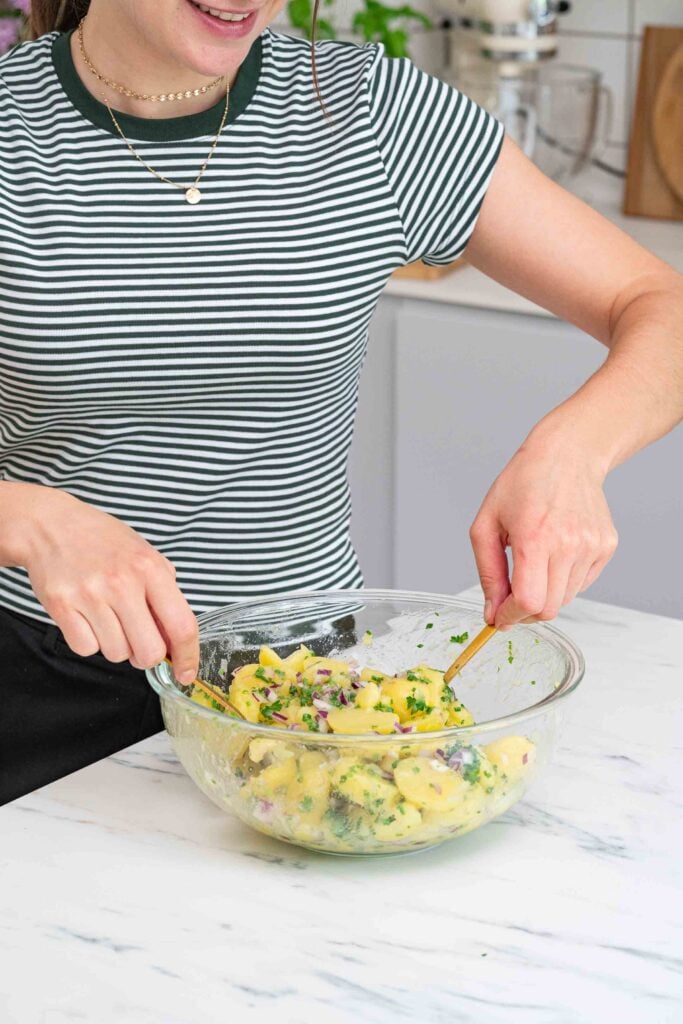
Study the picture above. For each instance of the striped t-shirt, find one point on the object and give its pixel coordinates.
(193, 369)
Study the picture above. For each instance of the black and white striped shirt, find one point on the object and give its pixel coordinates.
(193, 370)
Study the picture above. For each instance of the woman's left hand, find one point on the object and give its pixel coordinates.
(549, 507)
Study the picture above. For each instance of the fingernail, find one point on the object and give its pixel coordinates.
(187, 676)
(488, 608)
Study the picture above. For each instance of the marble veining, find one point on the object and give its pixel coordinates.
(128, 898)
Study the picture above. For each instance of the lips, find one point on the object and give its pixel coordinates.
(225, 28)
(220, 12)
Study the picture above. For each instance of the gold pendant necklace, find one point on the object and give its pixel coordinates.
(192, 193)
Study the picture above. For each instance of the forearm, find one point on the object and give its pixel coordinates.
(636, 396)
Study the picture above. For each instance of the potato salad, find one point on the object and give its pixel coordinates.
(351, 795)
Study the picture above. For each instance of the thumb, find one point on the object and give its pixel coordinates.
(492, 564)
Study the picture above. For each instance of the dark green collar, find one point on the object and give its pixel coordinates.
(165, 129)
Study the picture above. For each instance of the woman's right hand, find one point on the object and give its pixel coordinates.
(105, 586)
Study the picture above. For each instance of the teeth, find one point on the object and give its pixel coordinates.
(223, 15)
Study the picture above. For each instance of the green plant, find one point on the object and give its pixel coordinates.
(301, 17)
(373, 22)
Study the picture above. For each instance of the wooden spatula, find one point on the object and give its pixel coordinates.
(471, 649)
(216, 695)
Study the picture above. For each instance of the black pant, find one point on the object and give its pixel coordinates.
(59, 711)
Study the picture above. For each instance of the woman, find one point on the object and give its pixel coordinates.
(192, 249)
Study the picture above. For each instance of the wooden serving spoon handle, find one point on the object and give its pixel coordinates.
(471, 649)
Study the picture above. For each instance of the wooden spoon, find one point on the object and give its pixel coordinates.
(216, 695)
(471, 649)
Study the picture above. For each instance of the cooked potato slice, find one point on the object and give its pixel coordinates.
(259, 747)
(276, 776)
(269, 658)
(364, 784)
(430, 783)
(373, 675)
(308, 793)
(410, 696)
(513, 756)
(297, 658)
(357, 720)
(368, 697)
(243, 699)
(401, 820)
(458, 714)
(436, 719)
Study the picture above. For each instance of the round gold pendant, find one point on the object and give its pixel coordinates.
(193, 195)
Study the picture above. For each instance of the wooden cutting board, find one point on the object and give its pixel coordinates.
(654, 180)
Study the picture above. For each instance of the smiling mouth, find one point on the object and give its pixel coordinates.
(221, 15)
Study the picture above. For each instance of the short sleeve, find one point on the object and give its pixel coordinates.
(439, 150)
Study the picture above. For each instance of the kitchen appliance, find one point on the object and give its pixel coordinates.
(501, 55)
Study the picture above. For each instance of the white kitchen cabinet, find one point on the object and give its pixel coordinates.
(448, 393)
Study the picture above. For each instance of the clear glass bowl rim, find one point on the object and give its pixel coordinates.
(159, 676)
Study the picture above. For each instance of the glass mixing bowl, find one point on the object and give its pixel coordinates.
(370, 793)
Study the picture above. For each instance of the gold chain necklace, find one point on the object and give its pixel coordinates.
(192, 193)
(162, 97)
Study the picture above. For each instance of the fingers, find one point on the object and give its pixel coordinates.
(541, 585)
(147, 645)
(529, 585)
(106, 626)
(78, 633)
(492, 564)
(178, 625)
(559, 571)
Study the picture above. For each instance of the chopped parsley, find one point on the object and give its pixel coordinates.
(420, 645)
(306, 804)
(460, 638)
(379, 706)
(430, 625)
(303, 692)
(418, 704)
(260, 673)
(411, 677)
(268, 709)
(377, 679)
(511, 656)
(311, 722)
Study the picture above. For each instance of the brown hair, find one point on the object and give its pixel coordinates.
(49, 15)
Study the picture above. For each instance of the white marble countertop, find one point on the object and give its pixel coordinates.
(467, 286)
(129, 898)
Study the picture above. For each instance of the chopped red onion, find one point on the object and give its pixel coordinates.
(525, 758)
(270, 692)
(280, 718)
(322, 705)
(322, 714)
(343, 698)
(322, 724)
(324, 671)
(257, 697)
(437, 788)
(386, 775)
(403, 728)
